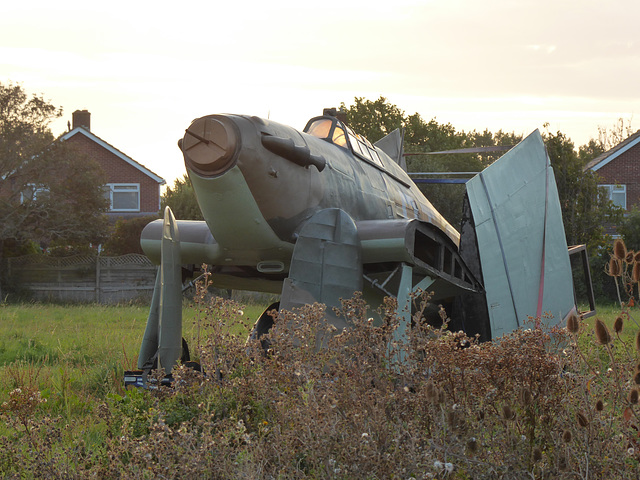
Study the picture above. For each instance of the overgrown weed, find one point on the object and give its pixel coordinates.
(541, 403)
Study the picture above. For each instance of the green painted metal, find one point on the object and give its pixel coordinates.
(163, 333)
(149, 345)
(170, 322)
(518, 223)
(326, 264)
(243, 235)
(405, 294)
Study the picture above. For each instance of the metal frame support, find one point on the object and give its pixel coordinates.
(581, 252)
(406, 291)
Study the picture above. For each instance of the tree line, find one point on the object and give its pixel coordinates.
(52, 196)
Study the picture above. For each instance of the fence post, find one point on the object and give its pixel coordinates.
(97, 278)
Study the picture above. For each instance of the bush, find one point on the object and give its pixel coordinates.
(126, 236)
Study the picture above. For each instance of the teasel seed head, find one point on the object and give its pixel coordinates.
(618, 324)
(525, 396)
(635, 273)
(619, 249)
(602, 332)
(636, 378)
(566, 436)
(472, 445)
(615, 269)
(562, 462)
(507, 413)
(629, 257)
(583, 421)
(537, 454)
(599, 405)
(633, 396)
(573, 322)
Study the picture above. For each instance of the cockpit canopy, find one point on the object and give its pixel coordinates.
(334, 131)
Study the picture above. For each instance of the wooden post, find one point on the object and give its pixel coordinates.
(97, 278)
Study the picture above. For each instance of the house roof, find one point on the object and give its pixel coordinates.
(601, 160)
(114, 150)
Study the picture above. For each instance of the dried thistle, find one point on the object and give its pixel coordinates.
(583, 421)
(507, 413)
(615, 269)
(573, 323)
(452, 418)
(619, 249)
(602, 332)
(567, 436)
(536, 456)
(635, 273)
(562, 462)
(472, 445)
(633, 396)
(525, 396)
(629, 257)
(618, 324)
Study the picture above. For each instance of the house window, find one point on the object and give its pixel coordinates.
(123, 197)
(617, 194)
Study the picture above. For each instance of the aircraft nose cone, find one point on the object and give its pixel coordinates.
(209, 145)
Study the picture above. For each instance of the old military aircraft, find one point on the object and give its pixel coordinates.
(320, 214)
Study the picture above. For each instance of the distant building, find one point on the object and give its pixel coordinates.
(133, 190)
(619, 170)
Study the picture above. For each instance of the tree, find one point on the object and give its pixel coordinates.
(629, 228)
(610, 137)
(586, 208)
(182, 200)
(49, 193)
(126, 236)
(375, 119)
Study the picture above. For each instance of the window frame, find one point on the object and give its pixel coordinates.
(621, 188)
(114, 189)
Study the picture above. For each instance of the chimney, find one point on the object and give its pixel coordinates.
(82, 118)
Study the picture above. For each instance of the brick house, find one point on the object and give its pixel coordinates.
(619, 170)
(133, 189)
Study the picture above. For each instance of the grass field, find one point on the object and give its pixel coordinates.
(78, 351)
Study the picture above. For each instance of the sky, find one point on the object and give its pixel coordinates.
(145, 69)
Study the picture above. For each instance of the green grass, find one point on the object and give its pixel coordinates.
(74, 353)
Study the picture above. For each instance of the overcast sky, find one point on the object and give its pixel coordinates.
(146, 69)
